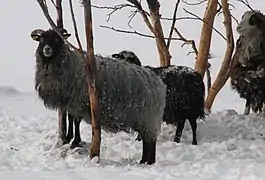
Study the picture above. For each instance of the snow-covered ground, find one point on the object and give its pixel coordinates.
(230, 145)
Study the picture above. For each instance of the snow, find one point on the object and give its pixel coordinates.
(230, 145)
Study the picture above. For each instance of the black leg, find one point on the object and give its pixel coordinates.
(179, 130)
(77, 139)
(152, 152)
(193, 125)
(145, 153)
(70, 133)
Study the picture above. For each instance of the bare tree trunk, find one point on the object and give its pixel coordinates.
(225, 69)
(156, 23)
(61, 114)
(206, 36)
(62, 124)
(91, 70)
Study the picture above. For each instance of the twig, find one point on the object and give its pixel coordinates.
(180, 18)
(143, 13)
(132, 32)
(173, 23)
(131, 17)
(114, 9)
(218, 32)
(52, 24)
(235, 19)
(75, 26)
(246, 3)
(220, 7)
(193, 4)
(186, 41)
(53, 3)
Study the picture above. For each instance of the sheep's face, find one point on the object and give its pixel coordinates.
(50, 43)
(128, 56)
(250, 24)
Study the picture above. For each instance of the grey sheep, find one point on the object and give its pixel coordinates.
(184, 97)
(247, 75)
(131, 97)
(251, 29)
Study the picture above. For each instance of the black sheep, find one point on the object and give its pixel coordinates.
(185, 94)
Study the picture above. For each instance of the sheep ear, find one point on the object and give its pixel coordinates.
(35, 35)
(254, 20)
(115, 55)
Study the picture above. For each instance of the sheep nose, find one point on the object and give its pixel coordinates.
(47, 51)
(47, 48)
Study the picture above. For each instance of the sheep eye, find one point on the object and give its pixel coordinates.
(253, 20)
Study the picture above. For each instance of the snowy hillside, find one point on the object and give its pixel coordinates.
(231, 146)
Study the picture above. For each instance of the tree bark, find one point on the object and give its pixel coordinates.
(92, 71)
(206, 36)
(159, 34)
(227, 63)
(62, 125)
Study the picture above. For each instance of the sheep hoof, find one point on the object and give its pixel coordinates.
(143, 161)
(67, 140)
(194, 143)
(177, 140)
(150, 162)
(75, 144)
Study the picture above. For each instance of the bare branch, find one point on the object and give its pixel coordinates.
(231, 5)
(59, 14)
(218, 32)
(53, 3)
(113, 8)
(75, 26)
(52, 24)
(180, 18)
(235, 19)
(186, 41)
(193, 4)
(142, 12)
(133, 32)
(173, 23)
(246, 3)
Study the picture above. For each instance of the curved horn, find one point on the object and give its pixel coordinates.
(37, 32)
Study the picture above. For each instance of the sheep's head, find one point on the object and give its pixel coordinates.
(50, 43)
(128, 56)
(251, 24)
